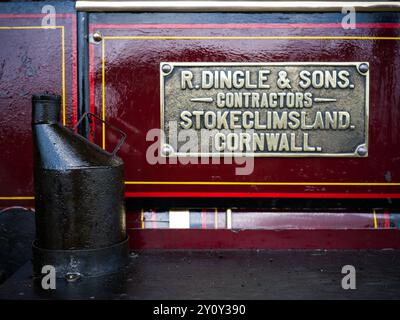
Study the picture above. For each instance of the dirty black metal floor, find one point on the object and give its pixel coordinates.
(17, 231)
(260, 274)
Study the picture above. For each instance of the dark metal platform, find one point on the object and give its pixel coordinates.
(262, 274)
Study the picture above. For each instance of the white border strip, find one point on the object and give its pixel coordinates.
(229, 218)
(179, 219)
(234, 6)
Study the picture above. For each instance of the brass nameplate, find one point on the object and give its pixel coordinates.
(265, 109)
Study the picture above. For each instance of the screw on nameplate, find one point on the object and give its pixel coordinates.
(97, 36)
(363, 67)
(166, 68)
(362, 150)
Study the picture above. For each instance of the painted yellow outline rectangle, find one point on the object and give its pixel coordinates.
(235, 38)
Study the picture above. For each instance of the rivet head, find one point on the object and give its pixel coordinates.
(167, 149)
(166, 68)
(363, 67)
(362, 151)
(97, 36)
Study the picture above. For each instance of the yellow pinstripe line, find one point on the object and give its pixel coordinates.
(17, 198)
(30, 27)
(141, 219)
(62, 80)
(375, 220)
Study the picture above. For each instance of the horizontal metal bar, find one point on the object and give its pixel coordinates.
(234, 6)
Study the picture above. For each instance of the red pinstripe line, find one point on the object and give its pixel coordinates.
(74, 79)
(387, 219)
(91, 90)
(262, 195)
(243, 26)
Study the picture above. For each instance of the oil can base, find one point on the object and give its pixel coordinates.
(72, 264)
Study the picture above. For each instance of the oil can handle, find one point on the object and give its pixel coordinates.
(120, 143)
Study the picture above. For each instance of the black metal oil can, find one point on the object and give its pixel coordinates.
(79, 198)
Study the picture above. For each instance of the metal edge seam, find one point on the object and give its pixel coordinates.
(233, 6)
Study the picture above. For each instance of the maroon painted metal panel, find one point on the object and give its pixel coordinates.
(124, 75)
(33, 58)
(264, 239)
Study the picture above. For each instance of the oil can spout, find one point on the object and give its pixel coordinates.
(45, 108)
